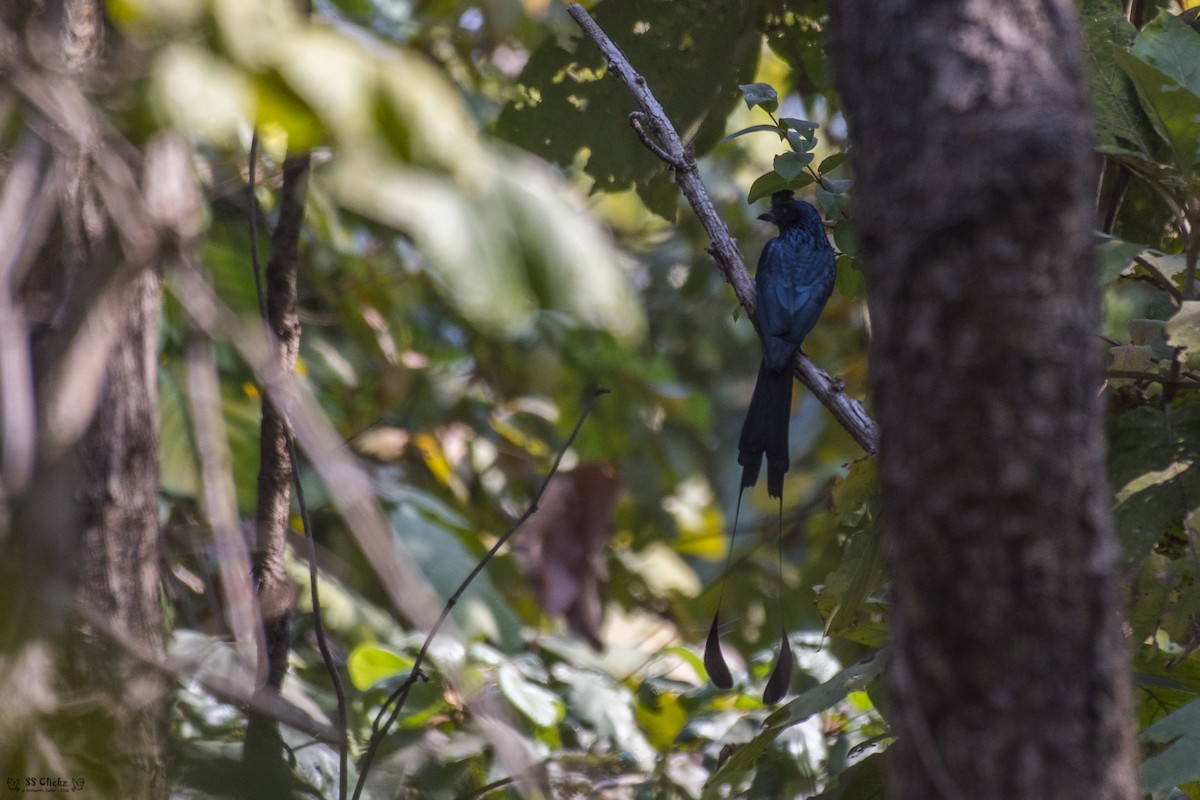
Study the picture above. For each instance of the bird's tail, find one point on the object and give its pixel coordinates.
(765, 430)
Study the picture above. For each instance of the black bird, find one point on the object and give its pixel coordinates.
(793, 282)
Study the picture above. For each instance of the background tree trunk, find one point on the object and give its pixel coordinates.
(79, 512)
(975, 173)
(119, 562)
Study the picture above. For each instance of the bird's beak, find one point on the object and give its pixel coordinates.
(768, 216)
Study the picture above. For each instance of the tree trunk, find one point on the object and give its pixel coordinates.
(119, 562)
(975, 172)
(79, 504)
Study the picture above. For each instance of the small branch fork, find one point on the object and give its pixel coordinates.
(395, 703)
(656, 132)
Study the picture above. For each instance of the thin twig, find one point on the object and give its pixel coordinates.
(252, 198)
(290, 439)
(1181, 382)
(663, 140)
(398, 697)
(349, 487)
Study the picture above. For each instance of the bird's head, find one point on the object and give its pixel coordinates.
(788, 212)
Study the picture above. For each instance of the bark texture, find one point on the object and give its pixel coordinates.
(276, 592)
(79, 503)
(268, 773)
(119, 559)
(975, 179)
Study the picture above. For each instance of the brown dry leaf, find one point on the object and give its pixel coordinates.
(562, 548)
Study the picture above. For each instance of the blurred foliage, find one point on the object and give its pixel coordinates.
(1145, 97)
(485, 241)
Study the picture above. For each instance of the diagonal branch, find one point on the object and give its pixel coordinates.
(656, 132)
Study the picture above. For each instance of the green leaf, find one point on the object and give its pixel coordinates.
(863, 780)
(831, 163)
(765, 186)
(853, 678)
(798, 143)
(800, 181)
(690, 658)
(1115, 257)
(1174, 110)
(760, 94)
(856, 489)
(754, 129)
(368, 664)
(564, 101)
(836, 185)
(1121, 126)
(1167, 265)
(203, 95)
(848, 238)
(790, 165)
(242, 415)
(660, 715)
(848, 279)
(1130, 358)
(1146, 331)
(441, 557)
(800, 126)
(1183, 330)
(179, 473)
(518, 243)
(1166, 682)
(607, 709)
(280, 105)
(845, 598)
(1153, 473)
(833, 203)
(1173, 47)
(540, 706)
(1179, 761)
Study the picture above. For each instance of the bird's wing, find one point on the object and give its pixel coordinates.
(791, 297)
(772, 280)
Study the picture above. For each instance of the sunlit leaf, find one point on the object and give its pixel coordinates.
(540, 706)
(1171, 106)
(201, 94)
(1120, 122)
(368, 664)
(662, 717)
(1183, 330)
(252, 31)
(1172, 46)
(1152, 470)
